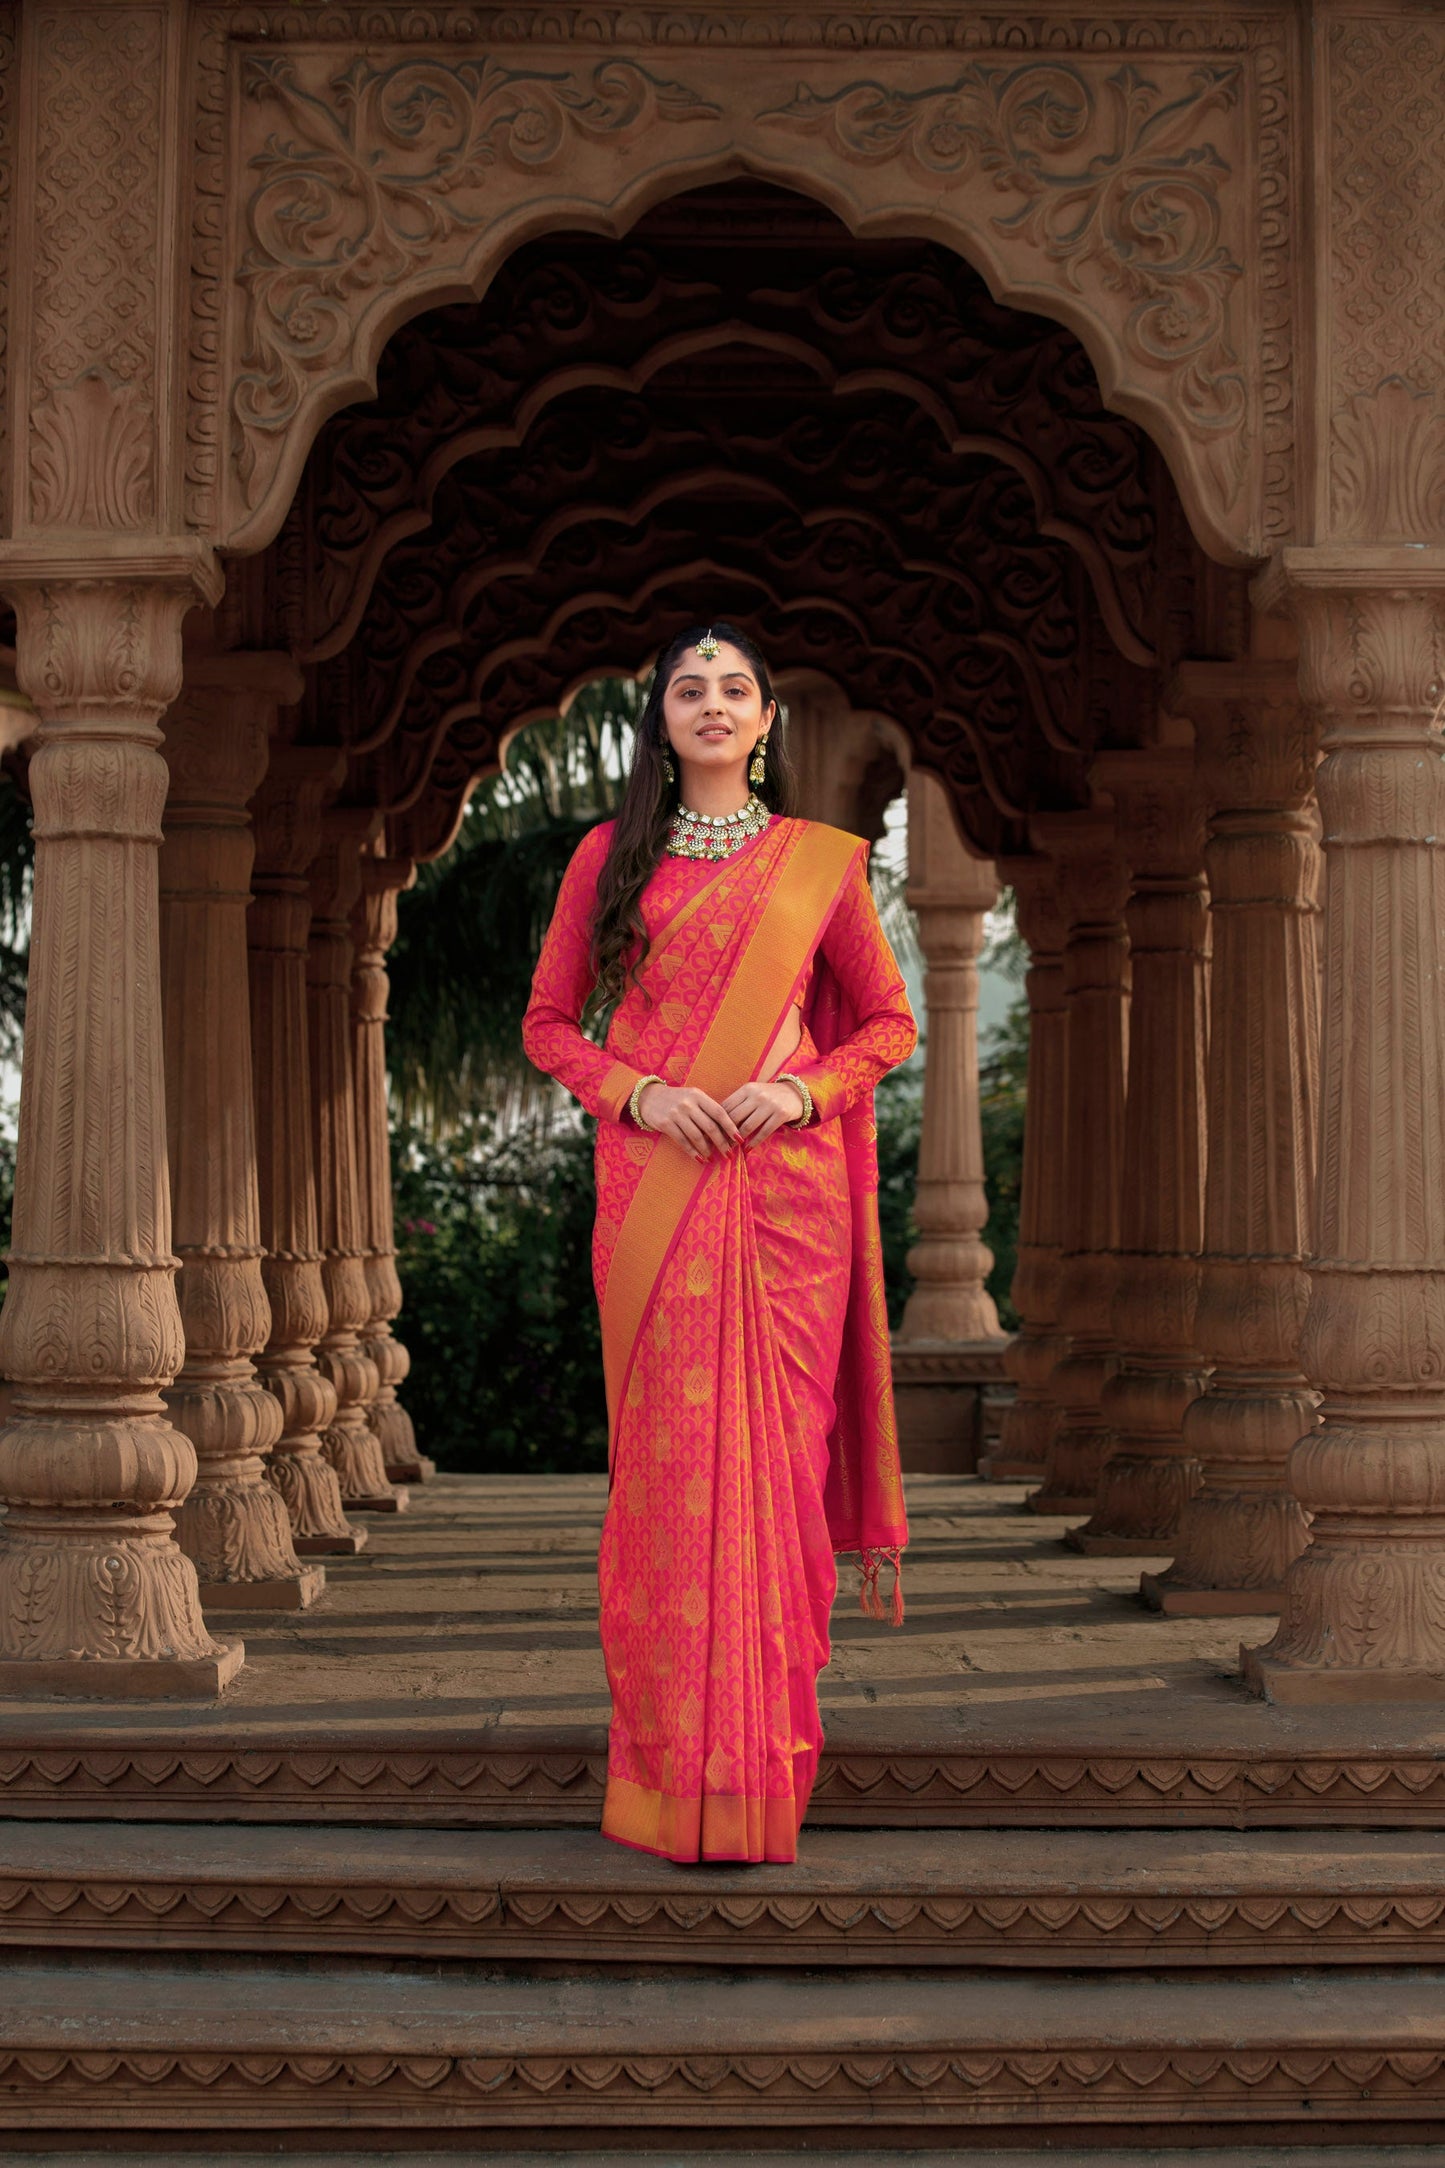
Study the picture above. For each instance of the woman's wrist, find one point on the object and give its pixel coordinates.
(634, 1104)
(787, 1076)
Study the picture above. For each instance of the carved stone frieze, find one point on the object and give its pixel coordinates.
(1278, 2088)
(1127, 220)
(428, 1918)
(503, 1781)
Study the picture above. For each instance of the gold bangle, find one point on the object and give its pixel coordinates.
(786, 1076)
(633, 1106)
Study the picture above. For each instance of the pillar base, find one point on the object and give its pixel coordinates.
(419, 1469)
(1117, 1546)
(1297, 1684)
(1161, 1594)
(340, 1545)
(1057, 1502)
(287, 1592)
(998, 1468)
(395, 1500)
(192, 1678)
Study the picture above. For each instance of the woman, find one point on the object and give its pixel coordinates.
(736, 1252)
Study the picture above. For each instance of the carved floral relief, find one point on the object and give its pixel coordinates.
(97, 190)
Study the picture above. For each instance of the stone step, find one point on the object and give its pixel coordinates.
(999, 1767)
(1284, 2156)
(1033, 1898)
(861, 2059)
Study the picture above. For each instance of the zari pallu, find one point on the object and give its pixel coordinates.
(744, 1331)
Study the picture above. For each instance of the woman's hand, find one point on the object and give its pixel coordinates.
(761, 1109)
(690, 1118)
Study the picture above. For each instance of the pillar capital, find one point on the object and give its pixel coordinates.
(99, 631)
(1158, 812)
(1255, 738)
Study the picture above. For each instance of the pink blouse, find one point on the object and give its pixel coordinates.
(853, 946)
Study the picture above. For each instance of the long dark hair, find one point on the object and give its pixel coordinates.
(619, 938)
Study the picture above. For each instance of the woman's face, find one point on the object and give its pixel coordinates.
(713, 709)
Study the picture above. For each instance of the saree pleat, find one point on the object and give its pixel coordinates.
(717, 1571)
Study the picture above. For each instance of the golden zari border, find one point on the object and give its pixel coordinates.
(717, 1826)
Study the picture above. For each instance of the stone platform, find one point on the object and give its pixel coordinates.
(1065, 1887)
(451, 1676)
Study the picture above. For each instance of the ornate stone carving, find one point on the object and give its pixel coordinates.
(373, 926)
(502, 1781)
(287, 821)
(952, 893)
(1094, 890)
(1148, 1475)
(397, 165)
(95, 1596)
(1387, 466)
(1386, 356)
(9, 76)
(1364, 1604)
(233, 1524)
(1119, 163)
(1035, 1349)
(1256, 752)
(96, 272)
(348, 1441)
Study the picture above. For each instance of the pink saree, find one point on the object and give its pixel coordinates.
(745, 1337)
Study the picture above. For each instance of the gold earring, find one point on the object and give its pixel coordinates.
(669, 773)
(757, 768)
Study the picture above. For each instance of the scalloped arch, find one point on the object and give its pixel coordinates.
(1128, 219)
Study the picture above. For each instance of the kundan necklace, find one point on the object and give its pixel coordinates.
(715, 835)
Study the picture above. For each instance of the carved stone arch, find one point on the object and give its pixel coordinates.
(432, 162)
(350, 563)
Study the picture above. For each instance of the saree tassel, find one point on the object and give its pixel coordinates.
(870, 1595)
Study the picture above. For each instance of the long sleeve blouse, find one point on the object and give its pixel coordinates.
(853, 946)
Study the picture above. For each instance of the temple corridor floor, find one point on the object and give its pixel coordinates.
(477, 1608)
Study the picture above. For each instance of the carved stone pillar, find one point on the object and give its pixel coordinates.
(233, 1524)
(948, 1348)
(1148, 1474)
(96, 1596)
(1364, 1602)
(952, 894)
(287, 821)
(1035, 1348)
(373, 928)
(1094, 888)
(1256, 757)
(349, 1442)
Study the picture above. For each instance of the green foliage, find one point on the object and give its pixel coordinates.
(899, 1105)
(470, 931)
(494, 1250)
